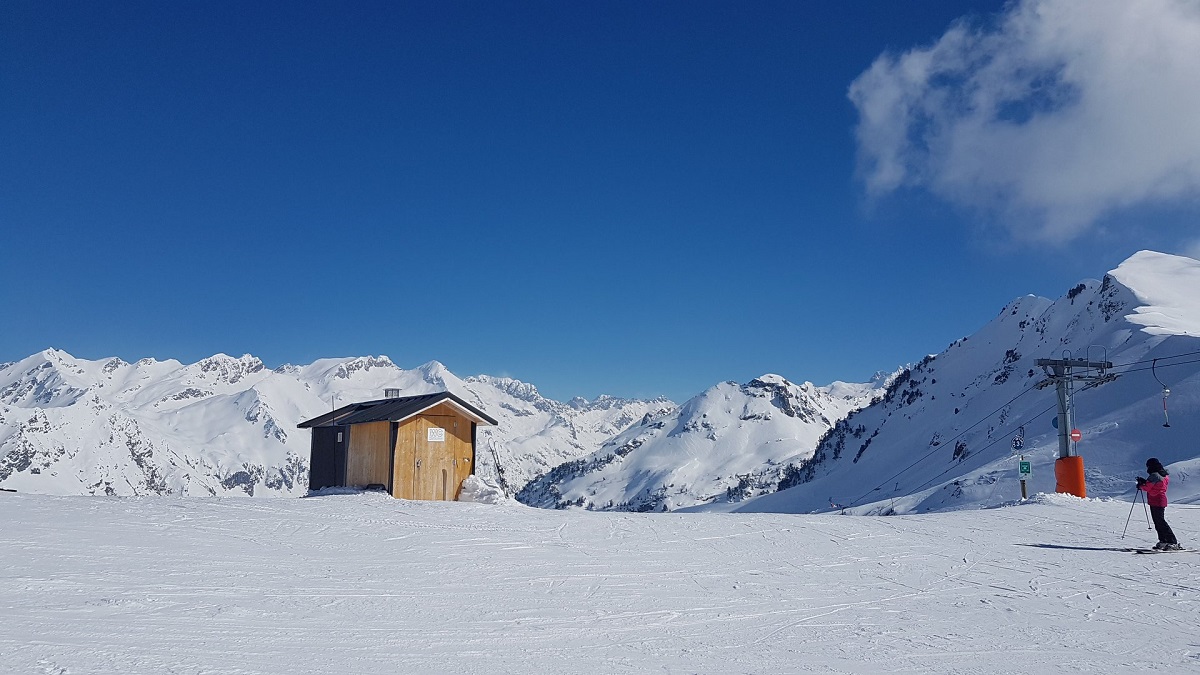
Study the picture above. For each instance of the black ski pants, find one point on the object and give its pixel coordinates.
(1160, 524)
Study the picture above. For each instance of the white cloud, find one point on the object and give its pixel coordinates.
(1056, 114)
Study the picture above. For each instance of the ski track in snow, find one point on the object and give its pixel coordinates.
(368, 584)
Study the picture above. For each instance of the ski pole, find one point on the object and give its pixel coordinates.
(1146, 509)
(1131, 505)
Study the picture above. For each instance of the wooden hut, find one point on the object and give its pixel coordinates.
(415, 447)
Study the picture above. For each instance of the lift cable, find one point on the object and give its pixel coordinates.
(1160, 358)
(953, 438)
(997, 440)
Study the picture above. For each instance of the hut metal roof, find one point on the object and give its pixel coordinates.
(394, 410)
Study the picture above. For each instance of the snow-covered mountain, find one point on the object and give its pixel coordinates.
(942, 435)
(936, 435)
(730, 442)
(227, 425)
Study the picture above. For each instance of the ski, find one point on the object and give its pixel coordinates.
(1155, 550)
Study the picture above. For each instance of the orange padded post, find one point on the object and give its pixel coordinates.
(1068, 476)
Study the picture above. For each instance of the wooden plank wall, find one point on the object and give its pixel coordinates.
(432, 470)
(368, 460)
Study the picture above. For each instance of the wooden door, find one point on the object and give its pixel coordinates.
(367, 454)
(424, 465)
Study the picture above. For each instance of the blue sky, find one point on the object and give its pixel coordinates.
(632, 198)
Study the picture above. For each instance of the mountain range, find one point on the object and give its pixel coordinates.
(226, 425)
(941, 433)
(937, 434)
(727, 444)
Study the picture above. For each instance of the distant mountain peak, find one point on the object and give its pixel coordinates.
(1165, 287)
(348, 368)
(770, 380)
(516, 388)
(433, 370)
(225, 368)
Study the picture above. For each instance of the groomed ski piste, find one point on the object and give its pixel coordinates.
(363, 583)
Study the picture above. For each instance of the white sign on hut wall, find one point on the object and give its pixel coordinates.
(436, 435)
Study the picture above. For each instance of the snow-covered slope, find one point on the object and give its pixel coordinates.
(941, 437)
(728, 443)
(350, 583)
(227, 425)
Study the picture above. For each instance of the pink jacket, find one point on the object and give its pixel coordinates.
(1156, 490)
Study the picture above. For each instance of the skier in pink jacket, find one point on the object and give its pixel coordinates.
(1155, 487)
